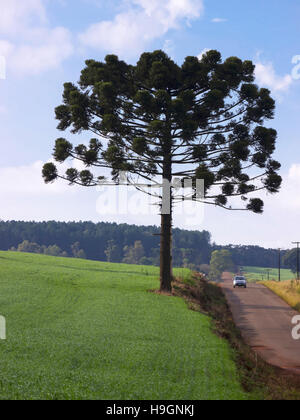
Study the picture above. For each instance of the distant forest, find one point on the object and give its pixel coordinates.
(123, 243)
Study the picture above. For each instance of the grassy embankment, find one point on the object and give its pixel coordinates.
(256, 376)
(289, 291)
(80, 329)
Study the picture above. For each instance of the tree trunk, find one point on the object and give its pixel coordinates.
(166, 228)
(165, 253)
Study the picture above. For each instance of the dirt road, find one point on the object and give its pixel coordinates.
(265, 322)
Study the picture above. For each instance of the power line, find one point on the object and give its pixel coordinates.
(268, 270)
(279, 264)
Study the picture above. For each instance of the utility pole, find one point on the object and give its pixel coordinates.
(268, 270)
(298, 259)
(279, 265)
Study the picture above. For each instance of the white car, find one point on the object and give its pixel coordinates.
(239, 281)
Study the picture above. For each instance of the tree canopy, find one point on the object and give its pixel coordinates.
(220, 261)
(290, 259)
(188, 247)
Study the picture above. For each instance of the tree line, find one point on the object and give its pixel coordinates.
(124, 243)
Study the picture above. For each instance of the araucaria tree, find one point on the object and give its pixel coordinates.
(157, 120)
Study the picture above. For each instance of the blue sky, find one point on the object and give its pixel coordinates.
(45, 43)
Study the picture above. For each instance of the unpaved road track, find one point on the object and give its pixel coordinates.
(265, 322)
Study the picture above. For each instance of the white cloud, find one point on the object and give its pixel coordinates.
(289, 196)
(28, 44)
(294, 172)
(266, 76)
(26, 181)
(25, 196)
(18, 14)
(169, 11)
(6, 47)
(218, 20)
(130, 31)
(203, 52)
(275, 228)
(169, 47)
(55, 46)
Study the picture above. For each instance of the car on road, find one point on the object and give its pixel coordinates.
(239, 281)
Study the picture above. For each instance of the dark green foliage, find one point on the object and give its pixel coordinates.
(220, 261)
(94, 239)
(251, 255)
(30, 247)
(202, 120)
(221, 200)
(256, 205)
(290, 260)
(62, 150)
(99, 240)
(228, 188)
(34, 248)
(202, 172)
(208, 114)
(113, 252)
(49, 172)
(55, 251)
(77, 252)
(71, 175)
(273, 182)
(134, 254)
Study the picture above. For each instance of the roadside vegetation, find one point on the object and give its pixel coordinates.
(220, 261)
(259, 380)
(289, 291)
(80, 329)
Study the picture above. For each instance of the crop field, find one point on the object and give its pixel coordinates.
(287, 290)
(254, 274)
(80, 329)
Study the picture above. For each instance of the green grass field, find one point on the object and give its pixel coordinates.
(80, 329)
(254, 274)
